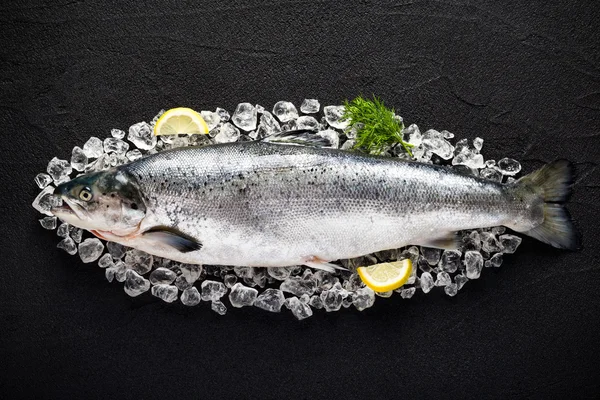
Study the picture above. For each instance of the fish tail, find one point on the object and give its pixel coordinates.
(553, 181)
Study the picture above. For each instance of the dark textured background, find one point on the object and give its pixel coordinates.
(525, 77)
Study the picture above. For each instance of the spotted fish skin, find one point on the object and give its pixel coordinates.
(264, 204)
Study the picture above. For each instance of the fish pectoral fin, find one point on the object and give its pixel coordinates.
(449, 241)
(174, 238)
(317, 263)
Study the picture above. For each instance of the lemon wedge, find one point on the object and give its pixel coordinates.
(180, 121)
(386, 276)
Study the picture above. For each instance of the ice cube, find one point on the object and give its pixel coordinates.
(471, 242)
(121, 271)
(431, 255)
(245, 116)
(434, 141)
(408, 292)
(316, 302)
(489, 242)
(212, 119)
(93, 148)
(162, 276)
(304, 298)
(182, 283)
(59, 170)
(334, 115)
(118, 146)
(139, 261)
(117, 133)
(63, 230)
(348, 144)
(223, 114)
(412, 135)
(491, 174)
(133, 155)
(443, 279)
(109, 273)
(332, 298)
(241, 295)
(460, 281)
(385, 295)
(450, 260)
(510, 243)
(43, 180)
(167, 293)
(68, 245)
(268, 124)
(218, 307)
(494, 261)
(508, 166)
(48, 222)
(307, 122)
(363, 298)
(279, 273)
(229, 280)
(473, 264)
(424, 265)
(451, 289)
(78, 159)
(135, 284)
(325, 280)
(426, 281)
(332, 136)
(106, 261)
(299, 309)
(498, 230)
(260, 109)
(90, 250)
(212, 290)
(191, 272)
(447, 135)
(227, 134)
(270, 300)
(285, 111)
(116, 250)
(76, 234)
(478, 144)
(298, 286)
(310, 106)
(141, 136)
(190, 297)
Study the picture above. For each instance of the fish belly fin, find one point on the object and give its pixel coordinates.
(449, 241)
(317, 263)
(554, 182)
(300, 137)
(174, 238)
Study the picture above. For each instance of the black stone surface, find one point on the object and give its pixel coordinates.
(525, 76)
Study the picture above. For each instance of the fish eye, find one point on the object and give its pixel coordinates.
(85, 194)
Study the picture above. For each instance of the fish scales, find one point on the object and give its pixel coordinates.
(263, 204)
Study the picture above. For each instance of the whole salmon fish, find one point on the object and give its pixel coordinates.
(266, 205)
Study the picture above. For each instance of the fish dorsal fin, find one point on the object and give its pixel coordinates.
(300, 137)
(174, 238)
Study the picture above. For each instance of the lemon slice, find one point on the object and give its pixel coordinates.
(386, 276)
(180, 121)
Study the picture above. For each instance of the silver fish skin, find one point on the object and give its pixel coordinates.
(264, 204)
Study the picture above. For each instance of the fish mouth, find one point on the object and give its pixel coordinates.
(67, 207)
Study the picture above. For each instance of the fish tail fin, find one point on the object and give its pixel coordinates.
(553, 181)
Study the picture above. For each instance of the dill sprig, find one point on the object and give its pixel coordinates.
(378, 127)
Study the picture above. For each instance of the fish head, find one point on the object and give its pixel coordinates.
(102, 201)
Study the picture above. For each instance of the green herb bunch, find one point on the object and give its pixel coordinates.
(378, 126)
